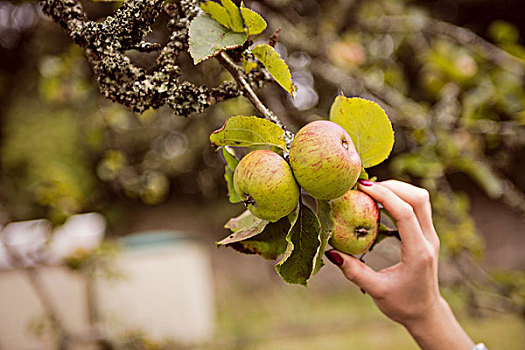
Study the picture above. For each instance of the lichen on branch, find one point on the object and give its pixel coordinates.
(106, 43)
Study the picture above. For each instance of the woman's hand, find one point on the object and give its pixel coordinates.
(408, 292)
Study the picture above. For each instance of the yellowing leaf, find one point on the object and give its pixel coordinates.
(254, 23)
(242, 131)
(248, 65)
(217, 12)
(237, 24)
(208, 38)
(276, 66)
(368, 126)
(236, 19)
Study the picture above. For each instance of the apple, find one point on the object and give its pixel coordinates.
(266, 182)
(356, 222)
(324, 160)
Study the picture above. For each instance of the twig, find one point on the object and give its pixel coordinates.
(240, 78)
(274, 38)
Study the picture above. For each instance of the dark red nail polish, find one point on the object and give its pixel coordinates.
(365, 182)
(334, 257)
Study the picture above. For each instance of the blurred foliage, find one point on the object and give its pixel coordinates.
(99, 260)
(46, 148)
(140, 341)
(457, 102)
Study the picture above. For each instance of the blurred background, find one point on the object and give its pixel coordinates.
(109, 217)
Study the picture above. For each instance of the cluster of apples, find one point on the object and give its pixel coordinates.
(324, 162)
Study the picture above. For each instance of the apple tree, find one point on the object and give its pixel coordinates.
(455, 100)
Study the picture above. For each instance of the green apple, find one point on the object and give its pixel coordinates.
(356, 222)
(324, 160)
(265, 181)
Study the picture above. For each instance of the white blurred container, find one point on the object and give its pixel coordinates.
(26, 239)
(33, 243)
(167, 290)
(82, 231)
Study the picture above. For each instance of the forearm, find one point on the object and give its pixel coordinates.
(439, 330)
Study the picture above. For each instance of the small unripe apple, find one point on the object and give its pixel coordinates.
(265, 181)
(324, 160)
(356, 222)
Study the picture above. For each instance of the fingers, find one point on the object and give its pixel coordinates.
(419, 199)
(357, 272)
(412, 238)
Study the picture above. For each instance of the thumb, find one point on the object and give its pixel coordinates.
(356, 271)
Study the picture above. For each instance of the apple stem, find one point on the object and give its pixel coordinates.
(390, 233)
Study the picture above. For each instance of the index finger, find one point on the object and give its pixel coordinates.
(412, 238)
(419, 199)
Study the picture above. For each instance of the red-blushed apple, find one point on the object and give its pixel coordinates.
(265, 181)
(356, 222)
(324, 160)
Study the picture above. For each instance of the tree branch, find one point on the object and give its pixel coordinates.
(105, 44)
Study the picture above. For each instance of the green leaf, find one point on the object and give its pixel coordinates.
(324, 212)
(208, 38)
(255, 236)
(276, 66)
(298, 262)
(233, 196)
(294, 215)
(368, 126)
(231, 164)
(237, 24)
(245, 131)
(253, 21)
(230, 157)
(217, 12)
(270, 244)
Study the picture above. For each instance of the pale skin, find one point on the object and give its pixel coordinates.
(408, 292)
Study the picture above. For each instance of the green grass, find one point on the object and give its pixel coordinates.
(290, 317)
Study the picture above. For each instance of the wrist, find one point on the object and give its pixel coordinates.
(435, 314)
(438, 329)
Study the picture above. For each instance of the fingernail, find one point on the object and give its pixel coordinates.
(365, 182)
(334, 257)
